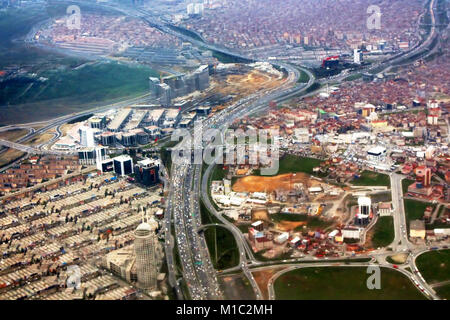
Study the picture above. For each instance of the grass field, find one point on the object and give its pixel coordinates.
(434, 265)
(343, 283)
(58, 87)
(312, 222)
(405, 184)
(443, 292)
(383, 232)
(304, 78)
(353, 77)
(291, 164)
(370, 178)
(415, 209)
(67, 89)
(227, 254)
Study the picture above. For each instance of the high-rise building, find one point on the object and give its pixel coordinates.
(86, 136)
(146, 250)
(202, 78)
(423, 176)
(364, 213)
(357, 56)
(190, 8)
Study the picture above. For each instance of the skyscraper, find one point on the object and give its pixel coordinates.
(145, 247)
(86, 137)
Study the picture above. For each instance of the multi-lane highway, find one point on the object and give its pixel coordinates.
(184, 190)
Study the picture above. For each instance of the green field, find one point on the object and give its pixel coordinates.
(415, 209)
(304, 78)
(222, 248)
(443, 292)
(353, 77)
(434, 265)
(67, 89)
(343, 283)
(291, 163)
(383, 232)
(312, 222)
(54, 84)
(405, 184)
(370, 178)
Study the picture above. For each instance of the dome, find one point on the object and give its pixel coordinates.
(144, 227)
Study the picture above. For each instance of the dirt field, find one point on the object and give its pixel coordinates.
(270, 184)
(236, 287)
(289, 225)
(249, 83)
(10, 155)
(65, 128)
(399, 258)
(13, 135)
(262, 279)
(260, 214)
(40, 139)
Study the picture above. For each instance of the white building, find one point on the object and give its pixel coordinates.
(87, 137)
(377, 153)
(351, 233)
(357, 56)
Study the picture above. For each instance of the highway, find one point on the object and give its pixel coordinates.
(184, 190)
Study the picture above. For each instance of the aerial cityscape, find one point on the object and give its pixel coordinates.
(224, 150)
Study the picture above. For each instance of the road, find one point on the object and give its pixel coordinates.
(183, 193)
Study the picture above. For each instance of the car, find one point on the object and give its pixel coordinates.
(395, 266)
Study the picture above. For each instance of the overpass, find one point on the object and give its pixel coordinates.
(28, 149)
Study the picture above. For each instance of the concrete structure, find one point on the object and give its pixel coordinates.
(376, 153)
(122, 263)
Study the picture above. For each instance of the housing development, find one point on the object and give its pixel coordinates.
(224, 150)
